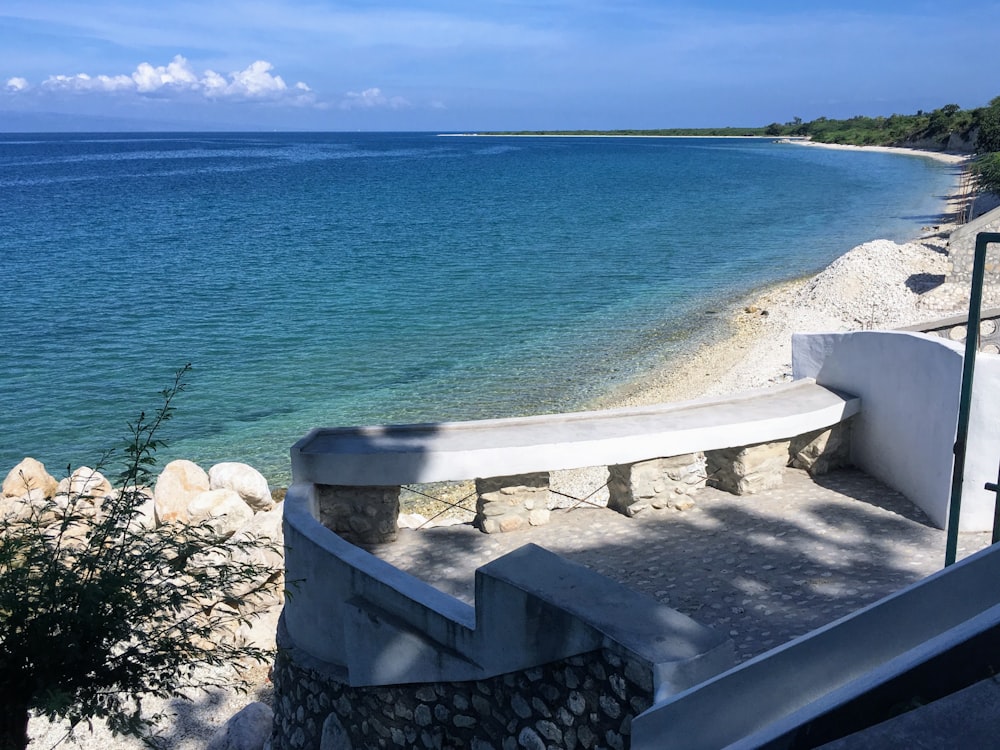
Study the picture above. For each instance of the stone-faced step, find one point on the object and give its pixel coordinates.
(512, 502)
(658, 483)
(750, 469)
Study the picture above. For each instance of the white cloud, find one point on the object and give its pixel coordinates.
(372, 98)
(177, 74)
(179, 77)
(86, 83)
(256, 81)
(214, 84)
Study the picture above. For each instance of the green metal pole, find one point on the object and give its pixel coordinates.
(965, 397)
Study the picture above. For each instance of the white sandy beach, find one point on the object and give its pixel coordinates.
(936, 155)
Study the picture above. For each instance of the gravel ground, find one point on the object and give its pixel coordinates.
(189, 726)
(763, 568)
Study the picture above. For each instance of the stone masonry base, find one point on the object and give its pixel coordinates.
(512, 503)
(362, 515)
(657, 483)
(584, 702)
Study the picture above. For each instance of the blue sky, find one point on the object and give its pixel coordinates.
(484, 64)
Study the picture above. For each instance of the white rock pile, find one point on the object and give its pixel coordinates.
(235, 502)
(867, 287)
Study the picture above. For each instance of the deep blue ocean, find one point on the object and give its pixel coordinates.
(333, 279)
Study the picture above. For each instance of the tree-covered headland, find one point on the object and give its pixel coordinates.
(948, 128)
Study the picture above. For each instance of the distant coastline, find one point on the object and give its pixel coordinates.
(943, 156)
(606, 135)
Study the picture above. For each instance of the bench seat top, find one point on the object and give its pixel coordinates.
(434, 452)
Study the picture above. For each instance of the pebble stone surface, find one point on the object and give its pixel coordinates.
(762, 568)
(584, 702)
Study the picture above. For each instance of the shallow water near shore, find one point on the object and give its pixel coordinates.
(325, 279)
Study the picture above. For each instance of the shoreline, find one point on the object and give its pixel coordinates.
(599, 135)
(942, 156)
(750, 345)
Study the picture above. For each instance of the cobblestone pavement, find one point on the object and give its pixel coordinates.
(763, 568)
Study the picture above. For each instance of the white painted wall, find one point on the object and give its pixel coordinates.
(909, 384)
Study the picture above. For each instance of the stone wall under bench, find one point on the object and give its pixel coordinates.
(586, 701)
(516, 502)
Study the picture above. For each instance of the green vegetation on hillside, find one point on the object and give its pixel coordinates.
(696, 132)
(986, 167)
(928, 128)
(949, 127)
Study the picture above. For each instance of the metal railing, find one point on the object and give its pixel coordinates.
(965, 400)
(469, 513)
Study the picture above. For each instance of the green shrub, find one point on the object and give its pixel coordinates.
(986, 172)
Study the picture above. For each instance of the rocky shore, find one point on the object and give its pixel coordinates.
(231, 500)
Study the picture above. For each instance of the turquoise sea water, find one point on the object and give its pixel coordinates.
(325, 279)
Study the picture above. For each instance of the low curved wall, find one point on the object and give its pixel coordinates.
(327, 575)
(409, 454)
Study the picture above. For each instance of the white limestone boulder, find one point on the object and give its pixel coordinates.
(266, 529)
(28, 475)
(247, 730)
(20, 508)
(83, 491)
(260, 543)
(223, 510)
(145, 506)
(85, 482)
(178, 484)
(260, 629)
(244, 479)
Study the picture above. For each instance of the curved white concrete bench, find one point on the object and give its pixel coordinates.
(411, 454)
